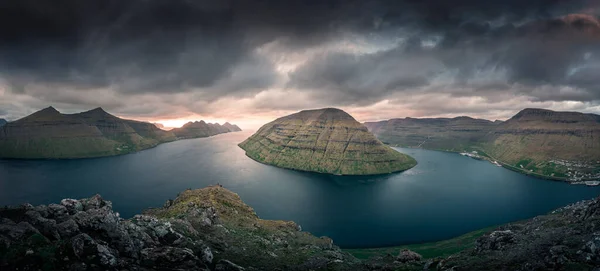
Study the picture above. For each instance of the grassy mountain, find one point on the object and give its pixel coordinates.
(50, 134)
(548, 143)
(326, 141)
(202, 129)
(453, 134)
(563, 145)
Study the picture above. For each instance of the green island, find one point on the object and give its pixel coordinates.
(325, 140)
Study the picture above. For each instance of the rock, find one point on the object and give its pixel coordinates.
(225, 265)
(47, 227)
(67, 229)
(558, 255)
(72, 205)
(57, 212)
(87, 249)
(494, 241)
(168, 203)
(407, 256)
(95, 202)
(207, 255)
(170, 258)
(11, 232)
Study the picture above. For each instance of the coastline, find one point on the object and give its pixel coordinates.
(486, 157)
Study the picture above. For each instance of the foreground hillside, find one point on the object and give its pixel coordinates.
(95, 133)
(560, 145)
(205, 229)
(325, 141)
(212, 229)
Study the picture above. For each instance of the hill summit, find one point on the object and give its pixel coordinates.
(325, 140)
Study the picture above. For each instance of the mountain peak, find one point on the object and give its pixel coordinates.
(49, 109)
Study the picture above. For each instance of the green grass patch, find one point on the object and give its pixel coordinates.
(443, 248)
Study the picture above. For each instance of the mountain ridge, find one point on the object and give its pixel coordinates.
(551, 144)
(49, 134)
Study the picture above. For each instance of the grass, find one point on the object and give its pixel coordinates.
(443, 248)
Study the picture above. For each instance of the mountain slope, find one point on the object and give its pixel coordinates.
(548, 143)
(325, 141)
(50, 134)
(2, 122)
(561, 145)
(454, 134)
(203, 129)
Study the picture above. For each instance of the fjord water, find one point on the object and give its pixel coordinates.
(445, 195)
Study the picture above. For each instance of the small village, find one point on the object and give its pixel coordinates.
(579, 172)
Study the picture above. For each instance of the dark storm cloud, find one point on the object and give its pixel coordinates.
(544, 59)
(211, 48)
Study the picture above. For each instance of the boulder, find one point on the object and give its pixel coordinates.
(87, 249)
(72, 205)
(495, 240)
(407, 256)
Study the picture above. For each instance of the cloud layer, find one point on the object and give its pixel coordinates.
(242, 59)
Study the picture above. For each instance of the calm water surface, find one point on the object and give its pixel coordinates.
(445, 195)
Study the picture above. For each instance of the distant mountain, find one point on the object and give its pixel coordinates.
(548, 143)
(563, 145)
(325, 141)
(232, 127)
(453, 134)
(202, 129)
(2, 122)
(50, 134)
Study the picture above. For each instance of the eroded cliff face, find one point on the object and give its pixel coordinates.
(325, 141)
(453, 134)
(548, 142)
(204, 229)
(202, 129)
(50, 134)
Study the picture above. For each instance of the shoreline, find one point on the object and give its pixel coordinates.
(489, 158)
(105, 156)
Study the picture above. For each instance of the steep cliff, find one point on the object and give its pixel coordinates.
(325, 141)
(556, 144)
(453, 134)
(50, 134)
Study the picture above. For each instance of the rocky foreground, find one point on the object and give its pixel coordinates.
(212, 229)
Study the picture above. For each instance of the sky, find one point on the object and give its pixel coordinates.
(249, 62)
